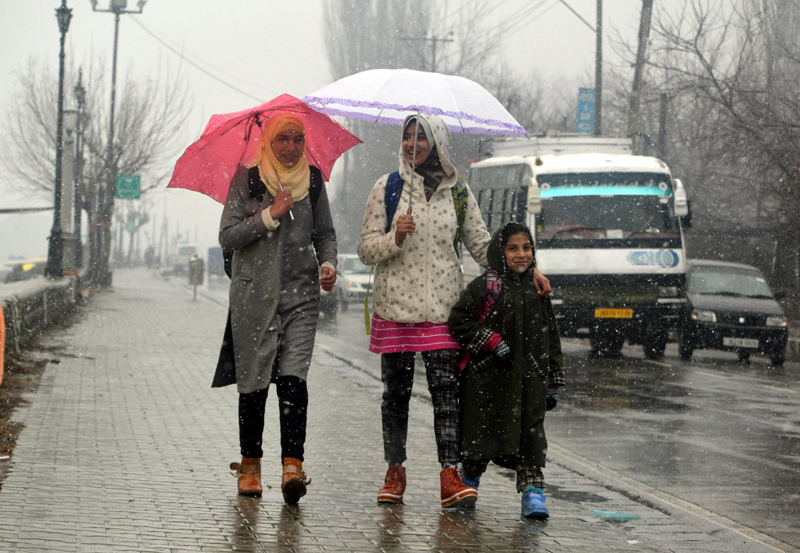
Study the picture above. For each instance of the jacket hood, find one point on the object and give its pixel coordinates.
(438, 136)
(494, 252)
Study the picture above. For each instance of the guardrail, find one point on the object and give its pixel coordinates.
(30, 306)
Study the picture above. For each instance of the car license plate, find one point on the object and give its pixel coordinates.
(740, 342)
(608, 313)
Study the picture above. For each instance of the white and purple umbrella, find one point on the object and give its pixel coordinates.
(389, 95)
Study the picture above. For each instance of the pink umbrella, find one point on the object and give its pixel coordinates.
(231, 139)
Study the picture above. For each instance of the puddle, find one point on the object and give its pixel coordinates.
(613, 516)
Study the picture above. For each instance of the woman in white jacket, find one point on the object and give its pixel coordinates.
(418, 279)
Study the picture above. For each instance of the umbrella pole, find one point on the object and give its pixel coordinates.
(413, 164)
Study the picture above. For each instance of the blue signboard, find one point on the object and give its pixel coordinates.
(584, 121)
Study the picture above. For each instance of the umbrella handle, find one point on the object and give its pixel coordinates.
(280, 185)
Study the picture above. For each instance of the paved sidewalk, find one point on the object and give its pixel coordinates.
(126, 448)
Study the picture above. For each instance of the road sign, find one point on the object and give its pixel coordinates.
(584, 120)
(128, 187)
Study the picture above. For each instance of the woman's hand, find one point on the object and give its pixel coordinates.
(283, 202)
(541, 283)
(328, 278)
(405, 226)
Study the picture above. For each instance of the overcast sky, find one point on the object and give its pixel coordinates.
(250, 50)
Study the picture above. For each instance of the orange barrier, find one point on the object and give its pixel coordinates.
(2, 344)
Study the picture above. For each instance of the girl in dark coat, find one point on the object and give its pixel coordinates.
(513, 370)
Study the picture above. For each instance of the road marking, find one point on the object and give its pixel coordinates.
(657, 499)
(713, 375)
(657, 363)
(780, 389)
(723, 377)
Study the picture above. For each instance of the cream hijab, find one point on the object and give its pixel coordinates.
(273, 174)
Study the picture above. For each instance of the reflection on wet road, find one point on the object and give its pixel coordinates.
(718, 433)
(715, 432)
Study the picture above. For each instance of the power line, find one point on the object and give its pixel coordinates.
(570, 8)
(519, 20)
(193, 64)
(516, 17)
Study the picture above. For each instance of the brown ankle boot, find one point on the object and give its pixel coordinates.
(294, 480)
(249, 473)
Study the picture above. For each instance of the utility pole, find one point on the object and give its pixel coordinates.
(101, 274)
(634, 120)
(433, 40)
(598, 63)
(598, 72)
(661, 144)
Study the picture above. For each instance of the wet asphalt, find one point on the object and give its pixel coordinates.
(712, 431)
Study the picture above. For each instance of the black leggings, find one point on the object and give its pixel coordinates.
(293, 408)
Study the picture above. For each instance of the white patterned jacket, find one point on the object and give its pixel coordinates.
(420, 281)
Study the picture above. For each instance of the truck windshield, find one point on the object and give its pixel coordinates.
(606, 206)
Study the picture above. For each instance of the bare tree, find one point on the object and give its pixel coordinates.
(732, 69)
(149, 115)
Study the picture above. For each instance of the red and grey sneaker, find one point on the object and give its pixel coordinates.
(454, 492)
(394, 485)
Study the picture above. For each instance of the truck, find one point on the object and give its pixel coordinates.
(608, 228)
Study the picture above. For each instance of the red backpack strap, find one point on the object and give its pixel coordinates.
(494, 283)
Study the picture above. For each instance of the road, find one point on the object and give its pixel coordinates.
(712, 431)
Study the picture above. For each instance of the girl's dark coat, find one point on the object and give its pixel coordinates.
(504, 406)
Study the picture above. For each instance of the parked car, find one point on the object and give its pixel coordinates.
(185, 252)
(354, 278)
(329, 302)
(24, 269)
(731, 307)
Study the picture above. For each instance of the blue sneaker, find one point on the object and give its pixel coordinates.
(533, 506)
(466, 480)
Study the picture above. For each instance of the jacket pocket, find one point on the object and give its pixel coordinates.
(539, 370)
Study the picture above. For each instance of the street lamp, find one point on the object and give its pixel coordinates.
(80, 96)
(105, 204)
(55, 248)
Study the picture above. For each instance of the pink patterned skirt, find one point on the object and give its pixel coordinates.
(390, 337)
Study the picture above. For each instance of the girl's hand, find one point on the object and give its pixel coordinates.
(328, 278)
(283, 203)
(541, 283)
(503, 352)
(405, 226)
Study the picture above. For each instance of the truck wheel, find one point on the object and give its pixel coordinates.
(685, 345)
(654, 343)
(607, 344)
(777, 357)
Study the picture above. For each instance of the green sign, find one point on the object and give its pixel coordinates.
(128, 187)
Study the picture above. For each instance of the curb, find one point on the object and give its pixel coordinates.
(665, 502)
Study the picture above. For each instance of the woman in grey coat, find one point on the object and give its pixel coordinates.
(278, 225)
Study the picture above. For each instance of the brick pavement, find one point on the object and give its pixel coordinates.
(126, 448)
